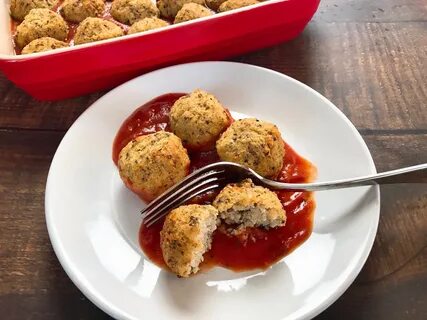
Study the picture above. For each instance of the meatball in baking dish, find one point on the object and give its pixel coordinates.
(40, 23)
(20, 8)
(169, 8)
(43, 44)
(130, 11)
(78, 10)
(147, 24)
(186, 236)
(236, 4)
(150, 164)
(96, 29)
(214, 4)
(247, 205)
(191, 11)
(255, 144)
(198, 119)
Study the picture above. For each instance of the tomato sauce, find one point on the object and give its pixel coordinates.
(255, 248)
(151, 117)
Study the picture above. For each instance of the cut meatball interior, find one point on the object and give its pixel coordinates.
(246, 205)
(186, 236)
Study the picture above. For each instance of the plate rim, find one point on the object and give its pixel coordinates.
(87, 289)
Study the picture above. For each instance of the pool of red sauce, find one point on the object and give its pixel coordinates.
(256, 248)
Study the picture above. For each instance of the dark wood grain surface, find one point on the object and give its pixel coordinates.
(368, 57)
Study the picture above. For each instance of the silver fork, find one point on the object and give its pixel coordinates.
(217, 175)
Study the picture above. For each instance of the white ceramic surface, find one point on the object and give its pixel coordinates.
(93, 219)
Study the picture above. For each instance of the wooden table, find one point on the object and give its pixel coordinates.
(368, 57)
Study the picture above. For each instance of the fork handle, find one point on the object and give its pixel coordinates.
(413, 174)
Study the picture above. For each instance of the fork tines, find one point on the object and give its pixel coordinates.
(205, 179)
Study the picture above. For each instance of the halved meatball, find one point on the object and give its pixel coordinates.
(169, 8)
(247, 205)
(147, 24)
(41, 23)
(186, 236)
(255, 144)
(20, 8)
(130, 11)
(96, 29)
(236, 4)
(150, 164)
(198, 119)
(78, 10)
(191, 11)
(43, 44)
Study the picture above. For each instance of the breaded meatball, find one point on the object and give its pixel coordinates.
(43, 44)
(169, 8)
(235, 4)
(255, 144)
(130, 11)
(247, 205)
(198, 119)
(186, 236)
(78, 10)
(40, 23)
(147, 24)
(152, 163)
(96, 29)
(191, 11)
(214, 4)
(20, 8)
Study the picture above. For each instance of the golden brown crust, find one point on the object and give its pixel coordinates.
(20, 8)
(130, 11)
(78, 10)
(40, 23)
(214, 4)
(43, 44)
(191, 11)
(150, 164)
(96, 29)
(169, 8)
(249, 206)
(253, 143)
(198, 119)
(186, 236)
(236, 4)
(147, 24)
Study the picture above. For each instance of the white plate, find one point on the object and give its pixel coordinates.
(93, 219)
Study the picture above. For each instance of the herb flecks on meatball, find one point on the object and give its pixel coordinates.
(78, 10)
(169, 8)
(147, 24)
(255, 144)
(191, 11)
(20, 8)
(151, 164)
(198, 119)
(186, 236)
(236, 4)
(40, 23)
(131, 11)
(43, 44)
(96, 29)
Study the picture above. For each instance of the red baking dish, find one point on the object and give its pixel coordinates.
(86, 68)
